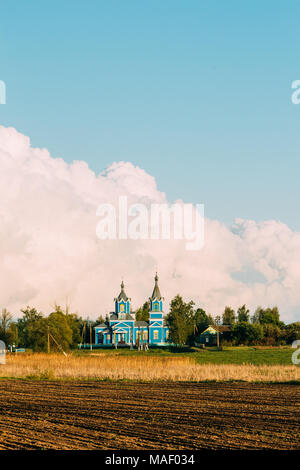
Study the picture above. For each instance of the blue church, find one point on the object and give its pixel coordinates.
(121, 328)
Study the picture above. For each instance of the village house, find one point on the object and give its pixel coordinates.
(212, 335)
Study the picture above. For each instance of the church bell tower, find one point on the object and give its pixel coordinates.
(156, 304)
(122, 304)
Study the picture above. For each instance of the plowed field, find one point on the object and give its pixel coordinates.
(111, 415)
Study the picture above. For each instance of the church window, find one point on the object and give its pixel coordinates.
(155, 334)
(145, 334)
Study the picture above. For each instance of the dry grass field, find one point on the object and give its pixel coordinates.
(143, 368)
(82, 415)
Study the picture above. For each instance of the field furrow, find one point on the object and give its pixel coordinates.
(128, 415)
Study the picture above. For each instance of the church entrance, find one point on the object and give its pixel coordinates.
(121, 338)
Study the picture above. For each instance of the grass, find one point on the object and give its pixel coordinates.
(229, 355)
(246, 355)
(158, 366)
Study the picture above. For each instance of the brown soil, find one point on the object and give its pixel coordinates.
(111, 415)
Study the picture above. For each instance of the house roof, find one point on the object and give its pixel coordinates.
(222, 328)
(214, 328)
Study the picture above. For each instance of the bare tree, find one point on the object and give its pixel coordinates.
(5, 326)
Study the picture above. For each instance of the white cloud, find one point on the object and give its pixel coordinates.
(49, 251)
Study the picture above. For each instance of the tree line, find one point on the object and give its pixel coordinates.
(185, 322)
(264, 327)
(31, 330)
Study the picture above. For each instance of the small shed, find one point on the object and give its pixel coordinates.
(209, 337)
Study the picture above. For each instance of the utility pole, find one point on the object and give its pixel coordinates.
(131, 337)
(84, 334)
(58, 345)
(48, 339)
(218, 339)
(16, 335)
(91, 337)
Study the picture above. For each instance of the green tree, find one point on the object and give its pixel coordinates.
(292, 332)
(75, 322)
(202, 320)
(14, 334)
(32, 328)
(60, 327)
(269, 315)
(228, 317)
(142, 313)
(255, 316)
(273, 335)
(247, 333)
(180, 320)
(243, 314)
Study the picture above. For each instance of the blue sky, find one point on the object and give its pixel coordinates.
(198, 93)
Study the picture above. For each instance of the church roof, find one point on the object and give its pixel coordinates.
(156, 292)
(122, 295)
(113, 316)
(141, 323)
